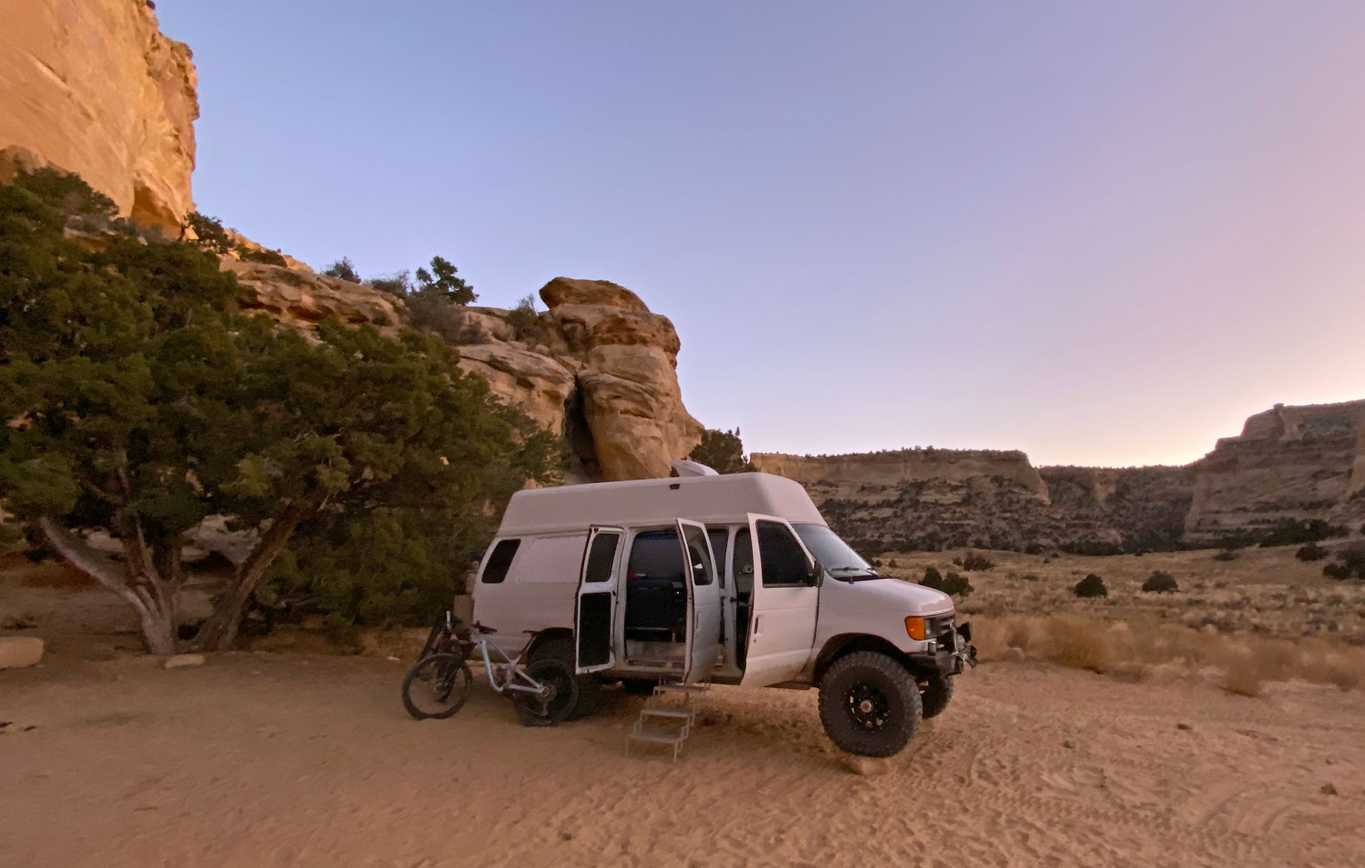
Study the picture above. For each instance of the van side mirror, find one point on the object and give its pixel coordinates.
(817, 573)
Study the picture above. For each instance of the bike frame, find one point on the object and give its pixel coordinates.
(510, 667)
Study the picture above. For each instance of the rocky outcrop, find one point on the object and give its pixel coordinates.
(299, 298)
(93, 87)
(1304, 462)
(907, 465)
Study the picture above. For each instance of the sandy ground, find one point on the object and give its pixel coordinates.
(273, 759)
(292, 759)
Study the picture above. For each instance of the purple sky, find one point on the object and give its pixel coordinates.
(1102, 233)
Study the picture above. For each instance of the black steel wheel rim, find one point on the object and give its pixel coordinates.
(868, 707)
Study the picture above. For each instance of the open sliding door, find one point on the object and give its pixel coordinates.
(703, 601)
(595, 609)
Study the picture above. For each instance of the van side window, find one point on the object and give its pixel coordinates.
(500, 561)
(655, 556)
(720, 536)
(784, 562)
(601, 557)
(702, 568)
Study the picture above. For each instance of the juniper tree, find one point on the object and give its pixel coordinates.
(139, 400)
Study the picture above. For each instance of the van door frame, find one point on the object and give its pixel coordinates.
(702, 648)
(608, 589)
(786, 608)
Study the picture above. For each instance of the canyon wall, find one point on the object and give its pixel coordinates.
(93, 87)
(1288, 463)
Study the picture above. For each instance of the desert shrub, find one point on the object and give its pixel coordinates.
(1160, 583)
(209, 233)
(723, 452)
(343, 269)
(1299, 531)
(269, 257)
(954, 584)
(1030, 577)
(1078, 643)
(892, 563)
(1227, 554)
(1349, 564)
(524, 320)
(1311, 552)
(1090, 586)
(397, 284)
(975, 562)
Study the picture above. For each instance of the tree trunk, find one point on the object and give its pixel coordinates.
(219, 632)
(155, 607)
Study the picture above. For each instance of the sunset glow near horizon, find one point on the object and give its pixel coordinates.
(1100, 234)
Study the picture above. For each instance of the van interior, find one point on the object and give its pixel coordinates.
(656, 596)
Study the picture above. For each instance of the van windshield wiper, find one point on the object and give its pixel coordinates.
(864, 570)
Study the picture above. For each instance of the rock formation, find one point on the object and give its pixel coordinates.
(93, 87)
(1288, 463)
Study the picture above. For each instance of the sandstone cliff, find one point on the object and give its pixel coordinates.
(597, 369)
(1288, 462)
(93, 87)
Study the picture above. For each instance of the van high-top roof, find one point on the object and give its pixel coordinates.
(725, 499)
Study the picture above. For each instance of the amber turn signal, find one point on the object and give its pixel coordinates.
(914, 627)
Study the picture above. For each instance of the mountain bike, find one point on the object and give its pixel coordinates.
(438, 685)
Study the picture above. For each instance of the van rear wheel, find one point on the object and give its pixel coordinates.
(869, 704)
(589, 688)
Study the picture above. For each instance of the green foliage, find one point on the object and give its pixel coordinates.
(722, 451)
(343, 269)
(442, 282)
(267, 256)
(1160, 583)
(399, 284)
(524, 320)
(1311, 552)
(1090, 586)
(209, 233)
(954, 584)
(1227, 554)
(148, 403)
(1299, 531)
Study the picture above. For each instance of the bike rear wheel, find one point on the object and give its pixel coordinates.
(437, 686)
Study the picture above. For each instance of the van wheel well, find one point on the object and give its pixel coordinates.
(852, 643)
(547, 636)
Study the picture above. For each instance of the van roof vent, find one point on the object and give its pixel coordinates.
(684, 467)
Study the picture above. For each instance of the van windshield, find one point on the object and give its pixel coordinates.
(833, 553)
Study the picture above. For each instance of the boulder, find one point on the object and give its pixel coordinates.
(536, 384)
(20, 652)
(95, 88)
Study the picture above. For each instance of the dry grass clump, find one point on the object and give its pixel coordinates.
(1244, 663)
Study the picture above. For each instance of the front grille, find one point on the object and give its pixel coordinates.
(941, 628)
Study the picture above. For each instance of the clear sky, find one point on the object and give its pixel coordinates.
(1103, 233)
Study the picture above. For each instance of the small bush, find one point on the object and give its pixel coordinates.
(524, 320)
(1091, 586)
(1160, 583)
(1030, 577)
(269, 257)
(1228, 554)
(1297, 532)
(344, 270)
(1350, 564)
(396, 284)
(955, 584)
(1311, 552)
(972, 561)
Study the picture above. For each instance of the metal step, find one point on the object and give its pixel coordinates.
(675, 713)
(679, 687)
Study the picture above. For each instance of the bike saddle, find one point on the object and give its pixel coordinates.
(480, 628)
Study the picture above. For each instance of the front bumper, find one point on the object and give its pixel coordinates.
(953, 651)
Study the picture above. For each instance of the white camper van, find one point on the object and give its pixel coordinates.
(733, 579)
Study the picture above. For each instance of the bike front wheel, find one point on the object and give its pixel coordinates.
(437, 686)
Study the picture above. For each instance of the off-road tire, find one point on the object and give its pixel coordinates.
(589, 688)
(937, 693)
(892, 697)
(531, 711)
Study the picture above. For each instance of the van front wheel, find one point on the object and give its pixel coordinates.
(869, 704)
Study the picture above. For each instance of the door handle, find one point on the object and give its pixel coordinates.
(758, 619)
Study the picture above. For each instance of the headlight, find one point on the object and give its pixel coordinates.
(914, 627)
